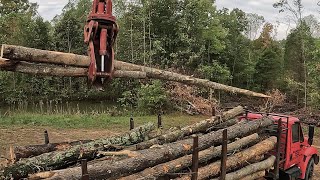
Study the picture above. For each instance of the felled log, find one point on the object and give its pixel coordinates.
(223, 125)
(154, 156)
(19, 152)
(191, 129)
(18, 53)
(60, 71)
(251, 169)
(255, 176)
(186, 161)
(238, 160)
(61, 159)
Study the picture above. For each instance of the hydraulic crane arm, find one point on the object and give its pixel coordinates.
(100, 34)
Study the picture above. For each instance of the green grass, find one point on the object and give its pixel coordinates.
(88, 121)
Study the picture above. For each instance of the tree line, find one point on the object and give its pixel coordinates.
(192, 37)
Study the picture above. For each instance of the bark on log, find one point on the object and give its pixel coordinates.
(20, 152)
(223, 125)
(238, 160)
(155, 156)
(18, 53)
(255, 176)
(192, 129)
(186, 161)
(61, 159)
(251, 169)
(60, 71)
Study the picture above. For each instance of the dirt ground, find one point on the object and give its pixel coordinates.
(26, 136)
(21, 136)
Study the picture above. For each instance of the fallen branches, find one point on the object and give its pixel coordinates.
(60, 159)
(18, 53)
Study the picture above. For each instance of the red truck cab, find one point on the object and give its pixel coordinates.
(296, 155)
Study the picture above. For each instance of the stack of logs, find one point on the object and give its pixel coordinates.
(220, 147)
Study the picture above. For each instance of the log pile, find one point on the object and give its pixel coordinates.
(50, 63)
(169, 155)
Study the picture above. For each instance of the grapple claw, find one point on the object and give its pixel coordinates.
(100, 34)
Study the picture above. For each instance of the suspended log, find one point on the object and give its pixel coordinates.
(238, 160)
(154, 156)
(251, 169)
(20, 152)
(60, 71)
(61, 159)
(255, 176)
(192, 129)
(186, 161)
(18, 53)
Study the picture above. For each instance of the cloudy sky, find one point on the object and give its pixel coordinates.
(49, 8)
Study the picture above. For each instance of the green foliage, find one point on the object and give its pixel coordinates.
(152, 97)
(269, 69)
(215, 72)
(149, 98)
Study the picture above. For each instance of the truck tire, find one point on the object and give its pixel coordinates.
(309, 171)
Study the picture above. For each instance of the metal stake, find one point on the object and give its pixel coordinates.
(46, 137)
(131, 123)
(195, 158)
(84, 169)
(224, 155)
(159, 121)
(277, 162)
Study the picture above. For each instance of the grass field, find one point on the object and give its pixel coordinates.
(92, 121)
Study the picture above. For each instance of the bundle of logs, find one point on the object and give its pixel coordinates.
(51, 63)
(191, 152)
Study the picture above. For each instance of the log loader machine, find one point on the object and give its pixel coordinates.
(295, 155)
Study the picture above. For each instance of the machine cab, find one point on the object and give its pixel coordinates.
(296, 156)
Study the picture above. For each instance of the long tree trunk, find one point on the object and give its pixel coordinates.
(18, 53)
(238, 160)
(186, 161)
(192, 129)
(251, 169)
(155, 156)
(56, 70)
(60, 159)
(20, 152)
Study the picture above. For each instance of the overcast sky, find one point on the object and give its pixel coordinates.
(49, 8)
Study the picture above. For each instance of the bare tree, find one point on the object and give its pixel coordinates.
(255, 23)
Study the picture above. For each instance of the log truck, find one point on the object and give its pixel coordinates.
(295, 155)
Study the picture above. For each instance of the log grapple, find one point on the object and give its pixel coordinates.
(100, 34)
